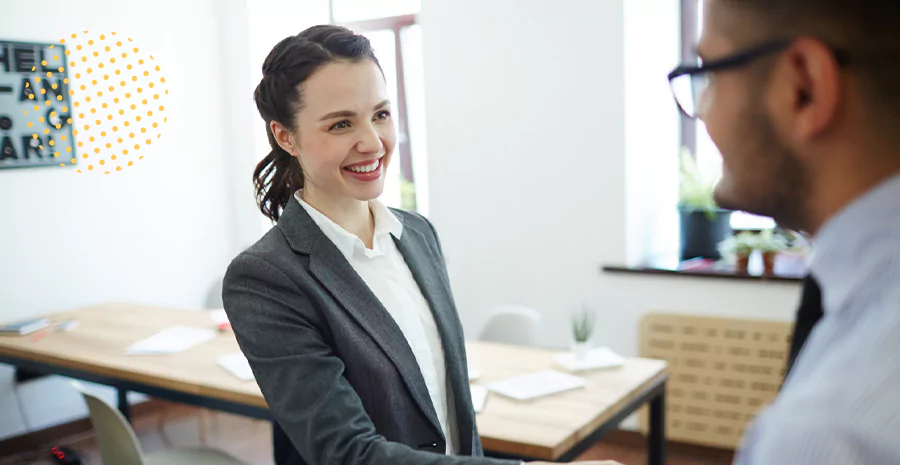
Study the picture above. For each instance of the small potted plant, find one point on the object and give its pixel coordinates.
(770, 244)
(582, 330)
(739, 247)
(703, 223)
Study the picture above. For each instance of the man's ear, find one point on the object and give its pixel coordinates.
(816, 77)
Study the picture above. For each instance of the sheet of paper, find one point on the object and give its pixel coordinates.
(536, 385)
(171, 341)
(597, 358)
(237, 365)
(479, 395)
(218, 316)
(473, 374)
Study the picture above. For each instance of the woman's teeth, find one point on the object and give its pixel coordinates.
(364, 168)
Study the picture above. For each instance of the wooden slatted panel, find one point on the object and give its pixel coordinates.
(721, 372)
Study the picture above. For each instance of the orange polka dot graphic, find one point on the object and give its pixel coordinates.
(118, 101)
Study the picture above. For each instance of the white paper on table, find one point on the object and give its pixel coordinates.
(537, 384)
(218, 316)
(473, 374)
(171, 341)
(597, 358)
(479, 395)
(237, 365)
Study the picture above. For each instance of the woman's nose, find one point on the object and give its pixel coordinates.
(369, 141)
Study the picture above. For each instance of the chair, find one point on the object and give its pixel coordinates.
(512, 324)
(119, 445)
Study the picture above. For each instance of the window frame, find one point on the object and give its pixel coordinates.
(689, 27)
(395, 24)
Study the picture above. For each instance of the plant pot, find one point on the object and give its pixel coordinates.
(581, 349)
(742, 263)
(700, 235)
(769, 263)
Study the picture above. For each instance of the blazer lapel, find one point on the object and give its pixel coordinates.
(333, 271)
(425, 266)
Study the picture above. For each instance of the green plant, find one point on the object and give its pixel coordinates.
(746, 242)
(770, 241)
(582, 325)
(695, 189)
(739, 244)
(407, 195)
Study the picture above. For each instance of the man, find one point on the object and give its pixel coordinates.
(802, 98)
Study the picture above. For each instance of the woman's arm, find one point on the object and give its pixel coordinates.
(302, 379)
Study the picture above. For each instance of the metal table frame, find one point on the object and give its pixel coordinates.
(124, 386)
(655, 395)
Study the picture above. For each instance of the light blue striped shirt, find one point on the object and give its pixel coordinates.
(841, 403)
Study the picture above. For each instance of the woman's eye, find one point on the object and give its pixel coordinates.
(383, 114)
(340, 125)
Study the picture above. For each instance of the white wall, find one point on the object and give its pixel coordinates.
(158, 233)
(532, 129)
(524, 104)
(651, 162)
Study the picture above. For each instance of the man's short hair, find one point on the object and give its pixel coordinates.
(867, 31)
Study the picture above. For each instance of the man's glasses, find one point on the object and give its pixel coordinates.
(688, 83)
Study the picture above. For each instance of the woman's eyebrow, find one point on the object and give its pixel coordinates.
(350, 114)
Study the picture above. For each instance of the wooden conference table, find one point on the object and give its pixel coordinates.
(558, 427)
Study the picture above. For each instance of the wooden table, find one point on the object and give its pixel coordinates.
(558, 427)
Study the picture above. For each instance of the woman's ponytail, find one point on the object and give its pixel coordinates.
(276, 178)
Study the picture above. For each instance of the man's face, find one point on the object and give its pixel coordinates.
(760, 174)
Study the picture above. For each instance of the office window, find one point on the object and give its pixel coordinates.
(693, 134)
(397, 42)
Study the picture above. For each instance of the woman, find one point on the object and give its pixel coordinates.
(344, 308)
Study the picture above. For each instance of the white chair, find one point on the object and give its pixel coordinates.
(512, 324)
(119, 445)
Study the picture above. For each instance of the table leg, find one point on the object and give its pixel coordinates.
(123, 404)
(656, 438)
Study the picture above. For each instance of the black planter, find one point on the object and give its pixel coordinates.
(700, 236)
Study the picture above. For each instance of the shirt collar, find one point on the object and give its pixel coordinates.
(385, 220)
(346, 242)
(845, 247)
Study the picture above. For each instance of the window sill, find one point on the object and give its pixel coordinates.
(787, 269)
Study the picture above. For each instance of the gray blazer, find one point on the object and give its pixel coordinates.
(334, 367)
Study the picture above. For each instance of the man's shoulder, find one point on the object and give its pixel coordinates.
(838, 423)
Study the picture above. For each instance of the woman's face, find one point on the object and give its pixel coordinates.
(344, 132)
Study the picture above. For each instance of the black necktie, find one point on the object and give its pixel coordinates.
(809, 313)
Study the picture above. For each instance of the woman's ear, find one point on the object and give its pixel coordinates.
(282, 137)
